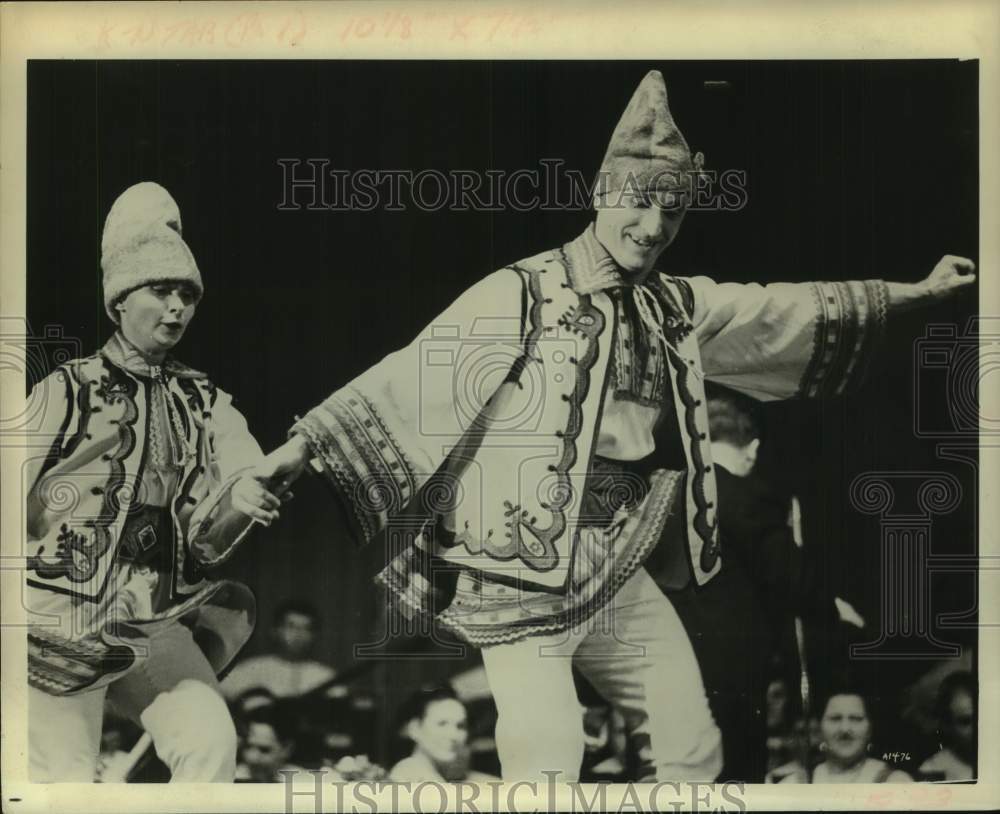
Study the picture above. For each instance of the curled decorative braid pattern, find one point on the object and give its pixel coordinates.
(535, 545)
(555, 493)
(705, 530)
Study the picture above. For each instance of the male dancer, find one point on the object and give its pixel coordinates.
(139, 492)
(557, 409)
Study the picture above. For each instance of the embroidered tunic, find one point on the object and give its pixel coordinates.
(128, 502)
(501, 416)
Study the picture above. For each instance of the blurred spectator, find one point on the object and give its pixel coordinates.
(250, 701)
(435, 722)
(763, 584)
(956, 711)
(473, 690)
(288, 672)
(354, 768)
(802, 735)
(919, 700)
(605, 758)
(267, 745)
(333, 723)
(779, 718)
(846, 731)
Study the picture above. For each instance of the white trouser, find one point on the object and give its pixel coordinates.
(636, 653)
(190, 727)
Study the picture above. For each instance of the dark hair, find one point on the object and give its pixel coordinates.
(415, 707)
(847, 690)
(954, 683)
(299, 606)
(732, 417)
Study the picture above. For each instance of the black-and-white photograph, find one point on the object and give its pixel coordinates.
(481, 421)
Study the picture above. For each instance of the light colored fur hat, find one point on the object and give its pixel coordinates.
(647, 151)
(142, 244)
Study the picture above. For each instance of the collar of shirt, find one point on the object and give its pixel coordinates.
(592, 268)
(127, 356)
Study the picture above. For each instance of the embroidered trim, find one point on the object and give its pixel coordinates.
(77, 554)
(83, 401)
(647, 530)
(819, 332)
(850, 334)
(707, 532)
(686, 292)
(849, 321)
(538, 551)
(338, 471)
(55, 453)
(187, 567)
(870, 340)
(408, 468)
(639, 371)
(361, 457)
(878, 293)
(677, 323)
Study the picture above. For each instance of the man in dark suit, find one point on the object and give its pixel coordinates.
(742, 619)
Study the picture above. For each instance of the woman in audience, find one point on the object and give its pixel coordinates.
(846, 731)
(435, 722)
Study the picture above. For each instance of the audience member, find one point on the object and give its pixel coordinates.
(289, 671)
(762, 583)
(268, 741)
(780, 721)
(846, 730)
(956, 709)
(435, 722)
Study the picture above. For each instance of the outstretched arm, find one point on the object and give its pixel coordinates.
(223, 519)
(786, 340)
(951, 275)
(284, 464)
(378, 439)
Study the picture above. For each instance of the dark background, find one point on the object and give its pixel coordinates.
(855, 170)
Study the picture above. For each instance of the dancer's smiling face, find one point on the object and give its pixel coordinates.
(635, 228)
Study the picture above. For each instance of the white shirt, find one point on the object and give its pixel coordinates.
(282, 677)
(949, 764)
(626, 432)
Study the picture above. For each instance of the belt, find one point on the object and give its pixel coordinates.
(148, 538)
